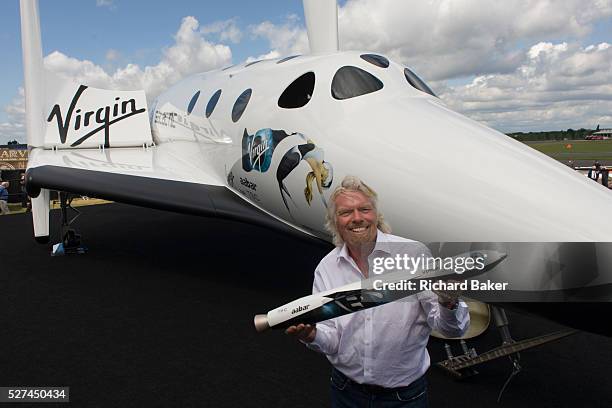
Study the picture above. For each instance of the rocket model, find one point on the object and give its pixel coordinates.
(375, 291)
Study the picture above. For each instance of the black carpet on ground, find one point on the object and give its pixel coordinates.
(159, 313)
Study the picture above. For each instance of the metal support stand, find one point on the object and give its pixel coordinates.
(461, 366)
(71, 240)
(501, 321)
(468, 353)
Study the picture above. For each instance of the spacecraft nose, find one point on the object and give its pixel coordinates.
(442, 177)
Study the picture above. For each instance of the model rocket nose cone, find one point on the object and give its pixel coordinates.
(261, 322)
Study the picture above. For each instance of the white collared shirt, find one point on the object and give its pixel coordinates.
(384, 345)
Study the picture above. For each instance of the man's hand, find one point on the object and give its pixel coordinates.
(449, 298)
(304, 332)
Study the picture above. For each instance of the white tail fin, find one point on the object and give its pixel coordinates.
(322, 25)
(33, 83)
(33, 72)
(61, 113)
(64, 114)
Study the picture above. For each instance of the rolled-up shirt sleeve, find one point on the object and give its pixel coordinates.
(327, 338)
(450, 323)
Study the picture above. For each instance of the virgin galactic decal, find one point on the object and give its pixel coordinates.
(271, 166)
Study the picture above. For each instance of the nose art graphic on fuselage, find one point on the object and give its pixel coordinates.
(257, 153)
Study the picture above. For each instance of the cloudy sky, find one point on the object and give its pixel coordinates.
(516, 65)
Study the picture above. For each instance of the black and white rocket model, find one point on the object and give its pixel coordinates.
(374, 291)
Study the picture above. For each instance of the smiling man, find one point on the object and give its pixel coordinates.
(379, 355)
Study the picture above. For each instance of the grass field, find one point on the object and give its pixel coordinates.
(580, 150)
(16, 208)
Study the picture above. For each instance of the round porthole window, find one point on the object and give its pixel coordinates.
(350, 82)
(241, 104)
(193, 102)
(210, 107)
(298, 93)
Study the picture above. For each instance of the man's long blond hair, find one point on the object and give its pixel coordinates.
(352, 183)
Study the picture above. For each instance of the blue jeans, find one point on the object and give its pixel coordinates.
(347, 394)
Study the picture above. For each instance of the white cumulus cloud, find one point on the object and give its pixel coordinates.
(286, 39)
(521, 82)
(455, 38)
(227, 30)
(191, 53)
(558, 86)
(447, 39)
(14, 128)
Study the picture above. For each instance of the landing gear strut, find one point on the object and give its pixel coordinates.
(462, 366)
(71, 240)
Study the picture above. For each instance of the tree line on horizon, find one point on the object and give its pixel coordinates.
(569, 134)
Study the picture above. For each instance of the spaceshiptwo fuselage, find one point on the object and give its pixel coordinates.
(268, 141)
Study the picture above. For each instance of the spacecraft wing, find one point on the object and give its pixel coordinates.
(151, 177)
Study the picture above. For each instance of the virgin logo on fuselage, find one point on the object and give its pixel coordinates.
(102, 117)
(257, 151)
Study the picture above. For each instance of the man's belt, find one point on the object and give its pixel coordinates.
(371, 388)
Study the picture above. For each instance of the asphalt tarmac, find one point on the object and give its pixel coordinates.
(159, 314)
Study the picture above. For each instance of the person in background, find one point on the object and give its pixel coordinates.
(4, 195)
(25, 199)
(594, 172)
(604, 176)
